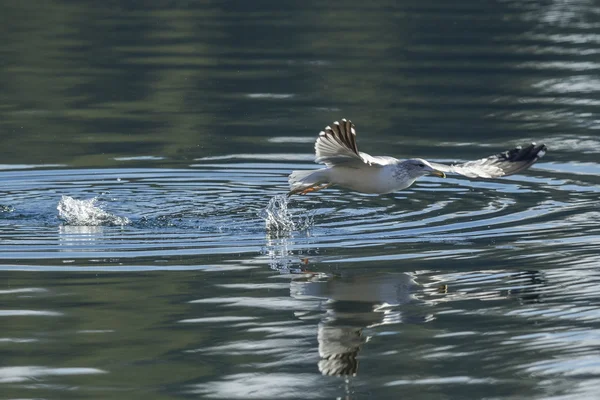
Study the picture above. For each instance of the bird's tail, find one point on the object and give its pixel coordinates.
(306, 181)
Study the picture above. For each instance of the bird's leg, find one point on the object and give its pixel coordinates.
(315, 188)
(309, 189)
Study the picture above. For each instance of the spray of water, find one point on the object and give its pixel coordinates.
(86, 213)
(279, 219)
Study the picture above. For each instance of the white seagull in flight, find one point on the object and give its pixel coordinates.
(347, 167)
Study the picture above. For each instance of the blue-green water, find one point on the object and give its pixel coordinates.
(146, 250)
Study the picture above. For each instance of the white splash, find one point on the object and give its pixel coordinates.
(4, 208)
(279, 220)
(86, 213)
(277, 216)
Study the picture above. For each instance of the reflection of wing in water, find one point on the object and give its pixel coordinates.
(384, 288)
(525, 286)
(338, 348)
(352, 304)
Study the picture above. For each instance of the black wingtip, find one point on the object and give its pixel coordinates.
(520, 158)
(530, 153)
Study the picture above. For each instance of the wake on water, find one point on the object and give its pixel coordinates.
(86, 213)
(279, 219)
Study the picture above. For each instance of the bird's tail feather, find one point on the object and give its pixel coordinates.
(301, 180)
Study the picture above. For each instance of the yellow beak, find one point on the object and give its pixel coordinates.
(438, 173)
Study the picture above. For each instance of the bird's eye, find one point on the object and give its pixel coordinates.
(422, 165)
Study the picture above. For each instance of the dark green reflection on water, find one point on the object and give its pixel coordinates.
(85, 82)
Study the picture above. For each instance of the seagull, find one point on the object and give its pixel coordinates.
(352, 169)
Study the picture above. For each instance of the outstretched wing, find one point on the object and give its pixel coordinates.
(506, 163)
(336, 145)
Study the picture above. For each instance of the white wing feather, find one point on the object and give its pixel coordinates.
(506, 163)
(336, 145)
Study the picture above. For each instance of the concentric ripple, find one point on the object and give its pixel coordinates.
(229, 208)
(436, 277)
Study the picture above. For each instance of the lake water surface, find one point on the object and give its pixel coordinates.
(147, 249)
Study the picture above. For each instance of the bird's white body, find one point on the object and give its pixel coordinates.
(369, 179)
(347, 167)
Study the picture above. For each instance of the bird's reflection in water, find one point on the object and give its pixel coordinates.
(352, 304)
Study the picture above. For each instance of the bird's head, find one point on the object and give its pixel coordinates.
(417, 167)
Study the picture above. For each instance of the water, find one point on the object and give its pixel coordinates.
(147, 249)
